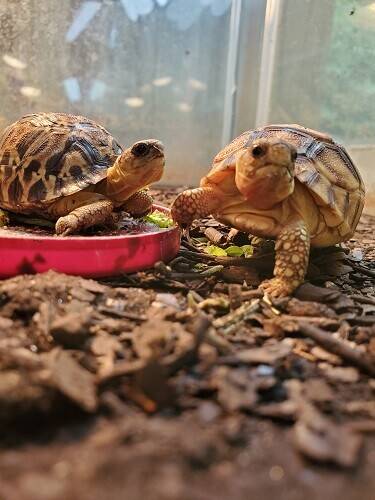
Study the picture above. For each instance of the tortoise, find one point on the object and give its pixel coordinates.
(283, 182)
(71, 170)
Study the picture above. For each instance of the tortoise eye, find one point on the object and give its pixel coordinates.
(258, 151)
(293, 155)
(140, 149)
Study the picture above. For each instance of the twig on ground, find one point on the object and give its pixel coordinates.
(362, 299)
(237, 315)
(190, 356)
(363, 270)
(336, 346)
(260, 262)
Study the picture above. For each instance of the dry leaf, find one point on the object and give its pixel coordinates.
(321, 440)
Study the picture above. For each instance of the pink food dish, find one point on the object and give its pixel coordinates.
(88, 256)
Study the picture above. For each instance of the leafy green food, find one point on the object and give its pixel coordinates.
(216, 251)
(248, 250)
(159, 219)
(232, 251)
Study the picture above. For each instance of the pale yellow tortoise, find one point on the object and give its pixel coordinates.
(70, 169)
(285, 182)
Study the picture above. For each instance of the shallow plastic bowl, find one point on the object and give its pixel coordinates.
(89, 256)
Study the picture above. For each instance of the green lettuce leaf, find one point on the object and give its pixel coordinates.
(159, 219)
(248, 250)
(234, 251)
(216, 251)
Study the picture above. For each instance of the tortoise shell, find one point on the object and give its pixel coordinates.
(45, 156)
(322, 165)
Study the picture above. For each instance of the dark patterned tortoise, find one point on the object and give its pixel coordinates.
(286, 182)
(70, 169)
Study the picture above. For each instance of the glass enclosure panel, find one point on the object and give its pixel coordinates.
(194, 73)
(324, 68)
(142, 68)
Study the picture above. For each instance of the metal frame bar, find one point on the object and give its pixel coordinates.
(271, 28)
(231, 72)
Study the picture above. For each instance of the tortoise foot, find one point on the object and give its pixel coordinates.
(278, 287)
(193, 204)
(67, 225)
(184, 208)
(96, 213)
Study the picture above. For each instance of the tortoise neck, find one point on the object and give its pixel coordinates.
(119, 185)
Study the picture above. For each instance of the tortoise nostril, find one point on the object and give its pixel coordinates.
(258, 151)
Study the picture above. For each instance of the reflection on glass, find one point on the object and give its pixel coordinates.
(82, 18)
(30, 91)
(136, 8)
(142, 68)
(13, 62)
(72, 89)
(134, 102)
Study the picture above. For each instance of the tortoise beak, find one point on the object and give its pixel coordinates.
(281, 154)
(157, 148)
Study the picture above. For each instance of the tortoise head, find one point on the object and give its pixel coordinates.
(137, 167)
(143, 163)
(265, 172)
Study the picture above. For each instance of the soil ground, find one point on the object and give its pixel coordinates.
(183, 382)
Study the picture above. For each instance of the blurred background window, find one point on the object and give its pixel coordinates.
(195, 73)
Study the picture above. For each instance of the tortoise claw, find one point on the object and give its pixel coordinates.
(278, 287)
(186, 234)
(67, 225)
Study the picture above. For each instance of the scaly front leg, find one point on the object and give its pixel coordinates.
(81, 210)
(195, 203)
(140, 203)
(292, 257)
